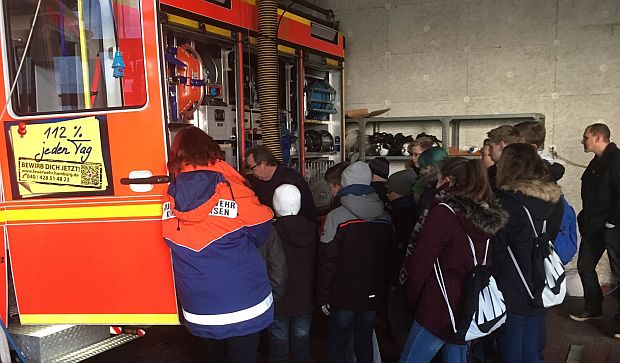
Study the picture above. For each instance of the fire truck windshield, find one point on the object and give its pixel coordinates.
(70, 62)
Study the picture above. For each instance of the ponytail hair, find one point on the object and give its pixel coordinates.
(470, 178)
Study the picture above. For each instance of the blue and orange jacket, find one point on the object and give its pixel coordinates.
(220, 276)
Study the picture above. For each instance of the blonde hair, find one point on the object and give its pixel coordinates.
(423, 142)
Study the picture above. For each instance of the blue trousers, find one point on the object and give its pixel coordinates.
(521, 339)
(290, 333)
(421, 347)
(341, 322)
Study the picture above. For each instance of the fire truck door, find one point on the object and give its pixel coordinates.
(86, 118)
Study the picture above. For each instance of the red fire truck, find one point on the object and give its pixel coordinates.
(93, 90)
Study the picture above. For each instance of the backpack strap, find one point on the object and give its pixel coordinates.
(544, 229)
(471, 243)
(486, 250)
(512, 256)
(439, 275)
(514, 260)
(444, 292)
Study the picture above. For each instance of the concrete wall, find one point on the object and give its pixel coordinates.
(560, 58)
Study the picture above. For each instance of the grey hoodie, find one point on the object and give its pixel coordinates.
(367, 207)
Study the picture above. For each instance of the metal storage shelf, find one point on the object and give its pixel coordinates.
(319, 89)
(322, 110)
(313, 76)
(389, 157)
(450, 126)
(318, 100)
(310, 155)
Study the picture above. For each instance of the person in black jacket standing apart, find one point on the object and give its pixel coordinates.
(268, 174)
(353, 265)
(599, 220)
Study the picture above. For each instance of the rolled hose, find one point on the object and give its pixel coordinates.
(268, 75)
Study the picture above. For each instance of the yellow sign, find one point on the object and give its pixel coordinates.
(59, 157)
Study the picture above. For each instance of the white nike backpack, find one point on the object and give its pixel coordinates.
(549, 280)
(483, 304)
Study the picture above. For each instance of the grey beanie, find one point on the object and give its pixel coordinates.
(356, 173)
(401, 182)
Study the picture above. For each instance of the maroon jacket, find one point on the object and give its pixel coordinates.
(444, 236)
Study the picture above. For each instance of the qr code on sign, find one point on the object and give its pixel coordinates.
(91, 175)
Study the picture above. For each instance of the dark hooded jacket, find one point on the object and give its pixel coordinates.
(380, 189)
(354, 254)
(283, 175)
(600, 193)
(401, 210)
(556, 170)
(300, 242)
(554, 223)
(273, 252)
(538, 197)
(444, 237)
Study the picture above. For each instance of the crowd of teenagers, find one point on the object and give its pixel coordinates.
(392, 263)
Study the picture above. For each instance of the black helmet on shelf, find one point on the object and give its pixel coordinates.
(327, 140)
(312, 141)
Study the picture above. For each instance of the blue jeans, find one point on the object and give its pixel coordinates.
(341, 322)
(421, 347)
(293, 331)
(520, 341)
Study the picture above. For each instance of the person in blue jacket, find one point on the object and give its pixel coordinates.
(214, 232)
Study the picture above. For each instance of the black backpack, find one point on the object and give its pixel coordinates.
(483, 304)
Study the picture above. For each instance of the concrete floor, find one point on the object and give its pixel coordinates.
(174, 344)
(595, 336)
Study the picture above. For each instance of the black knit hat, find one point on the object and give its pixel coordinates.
(380, 166)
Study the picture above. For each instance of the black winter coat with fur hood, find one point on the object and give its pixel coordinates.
(444, 237)
(539, 198)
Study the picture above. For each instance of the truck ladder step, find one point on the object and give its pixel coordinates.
(94, 349)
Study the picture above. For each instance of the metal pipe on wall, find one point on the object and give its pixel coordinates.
(268, 75)
(240, 102)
